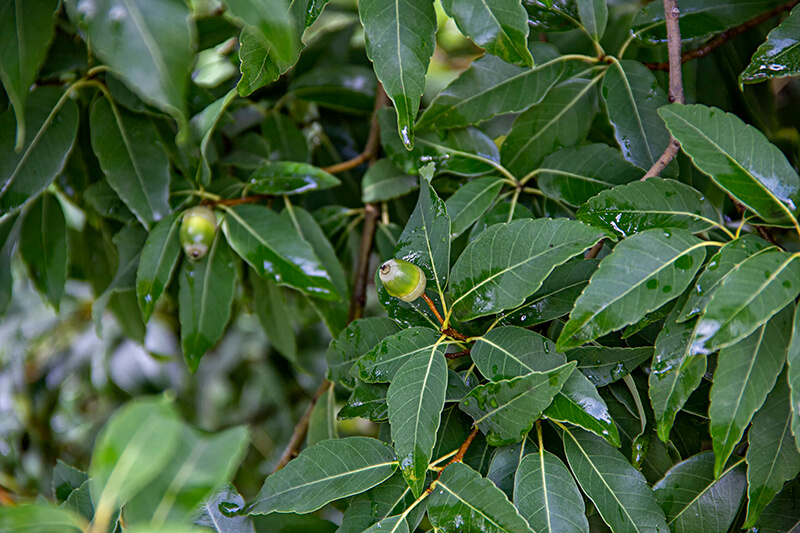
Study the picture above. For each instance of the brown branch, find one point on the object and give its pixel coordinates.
(594, 250)
(458, 457)
(726, 36)
(301, 429)
(359, 296)
(253, 199)
(672, 17)
(373, 141)
(457, 355)
(432, 307)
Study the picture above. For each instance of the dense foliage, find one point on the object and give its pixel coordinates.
(194, 195)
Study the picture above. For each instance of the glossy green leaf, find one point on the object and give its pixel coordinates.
(505, 463)
(642, 273)
(322, 424)
(772, 458)
(498, 26)
(272, 21)
(400, 38)
(498, 215)
(50, 135)
(199, 465)
(779, 55)
(25, 34)
(462, 500)
(415, 399)
(793, 377)
(461, 151)
(345, 88)
(384, 181)
(738, 157)
(471, 201)
(579, 404)
(206, 291)
(287, 178)
(216, 512)
(619, 491)
(133, 160)
(699, 18)
(509, 352)
(653, 203)
(560, 120)
(745, 374)
(783, 514)
(392, 524)
(604, 365)
(425, 240)
(509, 262)
(43, 246)
(758, 289)
(547, 497)
(574, 175)
(275, 317)
(157, 263)
(275, 250)
(552, 15)
(676, 370)
(358, 338)
(132, 449)
(158, 49)
(694, 500)
(490, 87)
(203, 125)
(286, 141)
(730, 258)
(391, 497)
(556, 296)
(594, 16)
(328, 471)
(506, 410)
(632, 96)
(40, 518)
(380, 364)
(257, 62)
(368, 400)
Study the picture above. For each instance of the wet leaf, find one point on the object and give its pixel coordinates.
(779, 55)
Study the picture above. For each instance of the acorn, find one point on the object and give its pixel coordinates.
(402, 279)
(197, 231)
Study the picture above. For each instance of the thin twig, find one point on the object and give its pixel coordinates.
(373, 142)
(725, 36)
(457, 458)
(456, 355)
(301, 429)
(359, 296)
(594, 250)
(672, 16)
(432, 307)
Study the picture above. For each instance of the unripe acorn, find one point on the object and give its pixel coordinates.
(197, 231)
(402, 279)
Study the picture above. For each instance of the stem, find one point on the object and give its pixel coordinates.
(636, 399)
(464, 447)
(457, 355)
(432, 307)
(359, 296)
(594, 250)
(514, 200)
(301, 429)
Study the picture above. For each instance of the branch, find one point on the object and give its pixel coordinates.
(301, 429)
(672, 15)
(725, 36)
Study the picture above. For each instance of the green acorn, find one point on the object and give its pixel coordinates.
(197, 231)
(402, 279)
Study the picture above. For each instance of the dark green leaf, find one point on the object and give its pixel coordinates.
(560, 120)
(618, 490)
(506, 410)
(415, 399)
(157, 263)
(133, 160)
(286, 177)
(793, 376)
(579, 404)
(356, 340)
(694, 500)
(322, 424)
(66, 479)
(257, 62)
(216, 513)
(490, 87)
(754, 292)
(510, 352)
(275, 249)
(384, 181)
(745, 374)
(206, 290)
(43, 246)
(368, 401)
(25, 35)
(604, 365)
(546, 495)
(783, 514)
(286, 140)
(382, 362)
(157, 54)
(505, 463)
(653, 203)
(345, 88)
(779, 55)
(365, 510)
(50, 135)
(738, 157)
(328, 471)
(203, 126)
(552, 15)
(464, 501)
(642, 273)
(469, 202)
(576, 174)
(272, 20)
(275, 317)
(400, 38)
(772, 458)
(499, 26)
(509, 262)
(632, 96)
(594, 16)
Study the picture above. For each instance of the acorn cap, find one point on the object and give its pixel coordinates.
(402, 279)
(197, 231)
